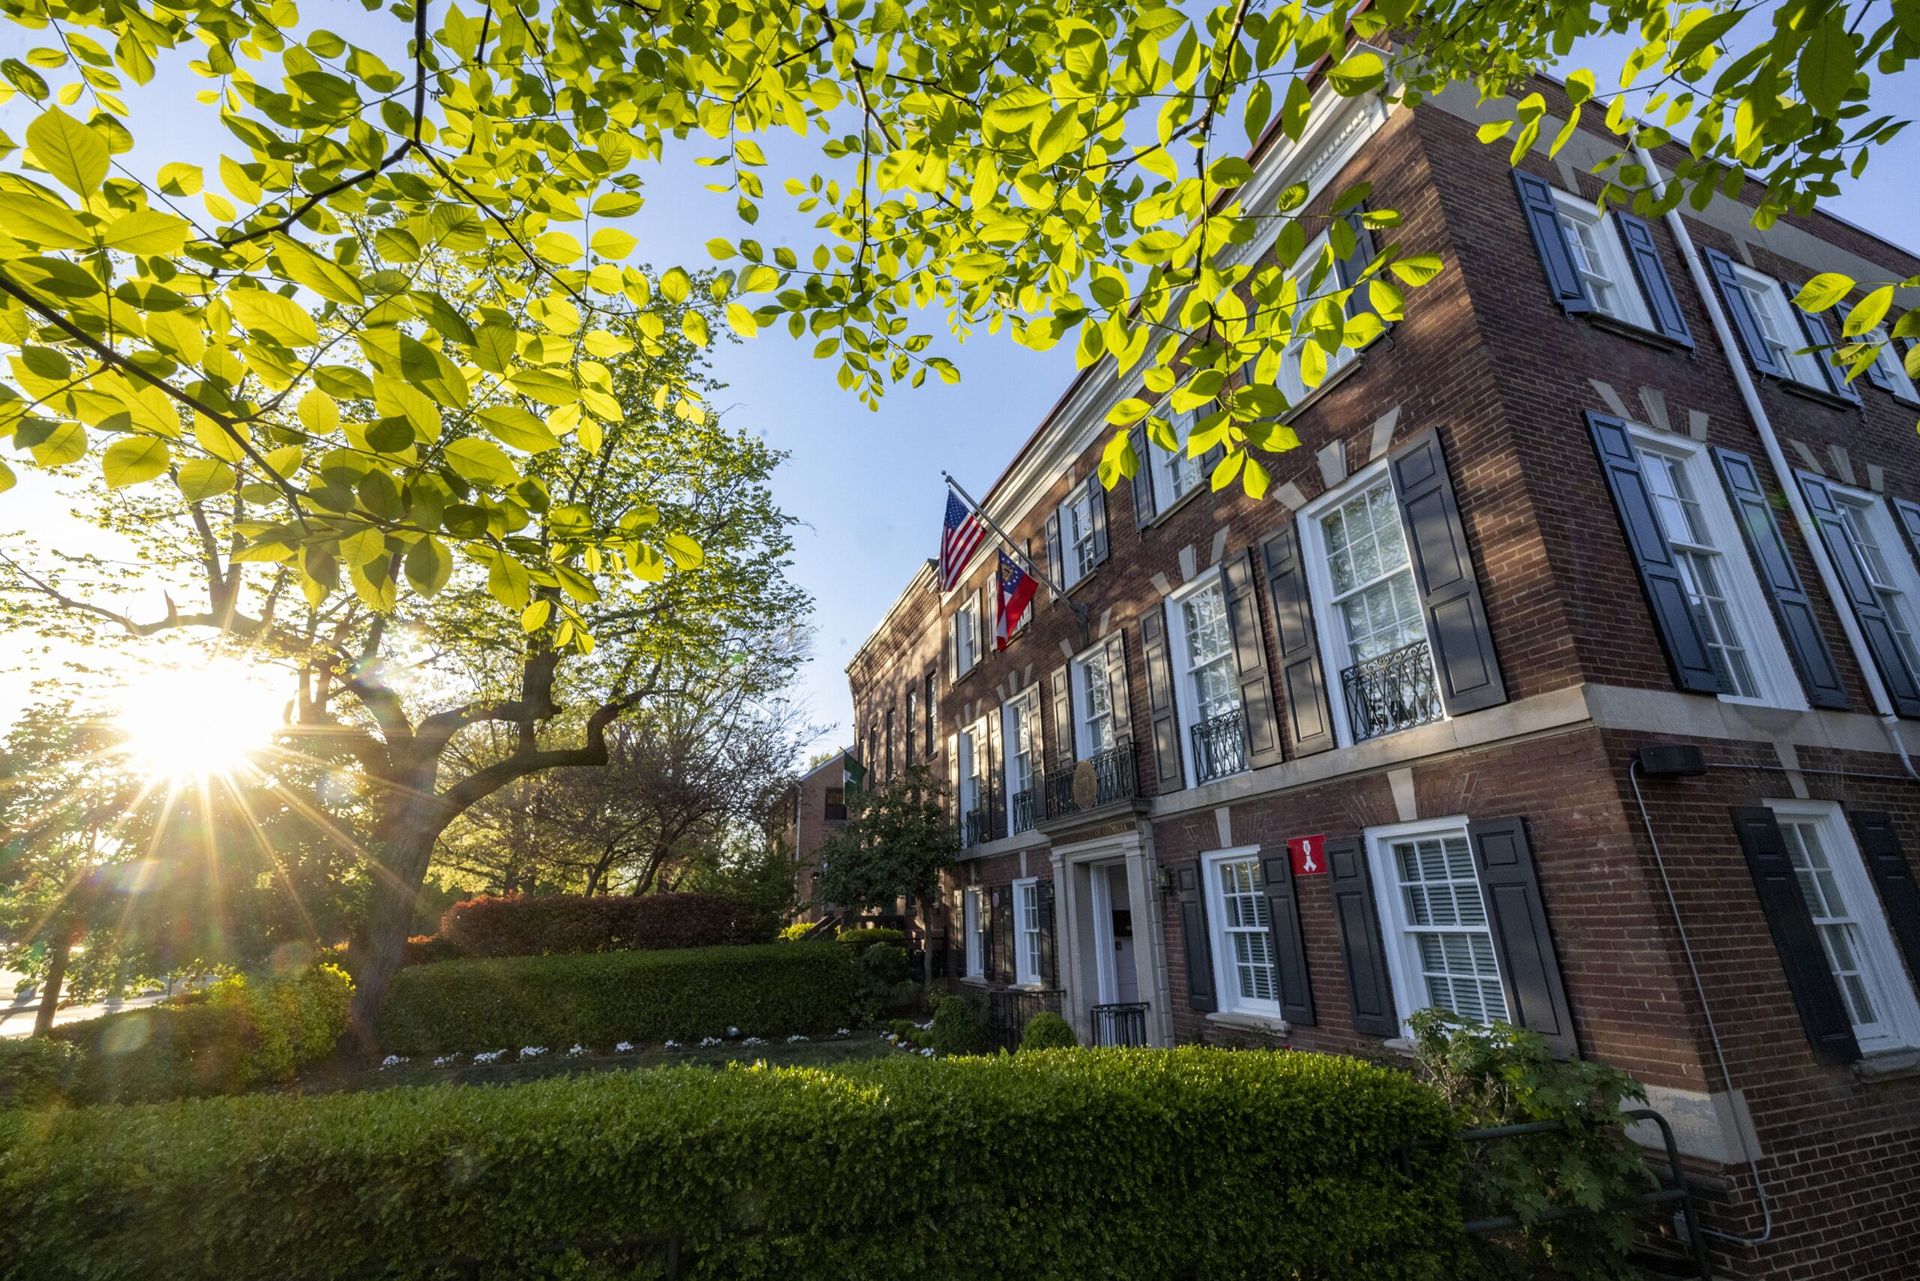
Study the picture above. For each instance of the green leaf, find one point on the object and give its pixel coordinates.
(7, 479)
(429, 565)
(509, 582)
(1823, 291)
(203, 478)
(482, 462)
(675, 285)
(740, 320)
(146, 231)
(611, 242)
(512, 425)
(68, 150)
(1359, 73)
(134, 459)
(535, 616)
(177, 178)
(41, 222)
(273, 316)
(684, 551)
(1417, 269)
(1871, 310)
(1826, 67)
(1061, 134)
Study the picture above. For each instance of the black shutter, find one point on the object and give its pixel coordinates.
(1289, 948)
(993, 798)
(1875, 374)
(1056, 562)
(1043, 901)
(1097, 504)
(1354, 265)
(1820, 337)
(1908, 516)
(1673, 617)
(1302, 680)
(1169, 774)
(1662, 303)
(1536, 997)
(1117, 697)
(1063, 717)
(1893, 876)
(1550, 238)
(1809, 977)
(1250, 660)
(1368, 979)
(1867, 608)
(1004, 970)
(1740, 312)
(1456, 616)
(1143, 508)
(1792, 607)
(1193, 936)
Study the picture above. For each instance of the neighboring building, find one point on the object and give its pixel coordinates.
(816, 804)
(1531, 533)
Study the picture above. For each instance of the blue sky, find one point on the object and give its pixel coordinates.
(866, 485)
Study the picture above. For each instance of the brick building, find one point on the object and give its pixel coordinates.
(815, 806)
(1586, 499)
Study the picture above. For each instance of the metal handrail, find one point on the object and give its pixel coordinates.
(1220, 745)
(1120, 1024)
(1115, 778)
(1392, 691)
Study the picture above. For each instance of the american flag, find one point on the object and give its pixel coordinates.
(1017, 590)
(960, 538)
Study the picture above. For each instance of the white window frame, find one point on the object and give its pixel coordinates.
(1288, 378)
(971, 918)
(1226, 966)
(1185, 701)
(1328, 624)
(1025, 704)
(1773, 670)
(1026, 938)
(1903, 577)
(1396, 930)
(1077, 549)
(1164, 467)
(1890, 363)
(1884, 972)
(966, 634)
(1767, 299)
(1605, 259)
(1084, 668)
(971, 778)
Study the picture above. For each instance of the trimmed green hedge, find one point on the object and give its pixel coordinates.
(1133, 1164)
(769, 990)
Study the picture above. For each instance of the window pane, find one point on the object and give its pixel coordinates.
(1446, 917)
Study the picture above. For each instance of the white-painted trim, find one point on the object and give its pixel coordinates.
(1027, 701)
(1025, 969)
(970, 919)
(1409, 993)
(1185, 708)
(1225, 969)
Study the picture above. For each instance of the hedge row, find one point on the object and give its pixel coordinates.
(774, 989)
(564, 924)
(1136, 1164)
(239, 1034)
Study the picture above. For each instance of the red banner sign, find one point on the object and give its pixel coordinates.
(1309, 854)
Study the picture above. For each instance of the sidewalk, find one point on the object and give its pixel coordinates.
(16, 1017)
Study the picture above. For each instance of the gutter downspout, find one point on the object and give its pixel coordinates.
(1796, 503)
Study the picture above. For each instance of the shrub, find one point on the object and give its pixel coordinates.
(957, 1028)
(798, 932)
(1136, 1165)
(767, 990)
(563, 924)
(864, 937)
(36, 1071)
(425, 949)
(238, 1034)
(1048, 1031)
(1500, 1075)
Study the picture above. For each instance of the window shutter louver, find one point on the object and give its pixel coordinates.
(1097, 504)
(1043, 900)
(1740, 313)
(1004, 927)
(1169, 774)
(1353, 266)
(979, 624)
(1792, 607)
(1116, 660)
(1820, 337)
(1809, 977)
(953, 784)
(993, 797)
(1907, 515)
(1894, 877)
(1673, 618)
(1550, 239)
(1063, 749)
(1196, 946)
(1250, 662)
(1368, 979)
(1529, 970)
(1655, 286)
(1875, 374)
(1456, 614)
(1868, 611)
(990, 915)
(1143, 508)
(1056, 562)
(1289, 948)
(1302, 680)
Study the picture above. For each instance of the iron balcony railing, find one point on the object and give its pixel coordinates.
(1220, 745)
(987, 821)
(1122, 1024)
(1109, 776)
(1010, 1009)
(1393, 691)
(1026, 805)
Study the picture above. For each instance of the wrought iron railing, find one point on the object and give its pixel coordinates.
(1026, 805)
(1109, 776)
(1009, 1009)
(987, 821)
(1394, 691)
(1220, 745)
(1124, 1023)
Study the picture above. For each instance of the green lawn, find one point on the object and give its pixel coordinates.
(512, 1070)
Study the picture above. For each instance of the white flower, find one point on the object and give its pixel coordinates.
(844, 1032)
(927, 1053)
(673, 1045)
(925, 1027)
(733, 1031)
(753, 1040)
(577, 1050)
(707, 1041)
(626, 1047)
(446, 1060)
(490, 1056)
(532, 1051)
(796, 1037)
(392, 1060)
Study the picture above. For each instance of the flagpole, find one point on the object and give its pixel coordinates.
(1079, 610)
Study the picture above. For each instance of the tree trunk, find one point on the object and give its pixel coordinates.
(404, 845)
(62, 947)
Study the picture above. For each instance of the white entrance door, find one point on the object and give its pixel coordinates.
(1116, 969)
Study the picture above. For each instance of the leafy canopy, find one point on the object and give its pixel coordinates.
(1059, 174)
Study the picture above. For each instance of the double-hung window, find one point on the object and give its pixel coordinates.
(1305, 363)
(1026, 932)
(1699, 561)
(1373, 625)
(907, 728)
(1778, 328)
(1601, 260)
(972, 924)
(973, 783)
(1439, 941)
(1851, 923)
(966, 635)
(1889, 370)
(1093, 731)
(1175, 473)
(1020, 731)
(1242, 933)
(1871, 530)
(1208, 685)
(1081, 550)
